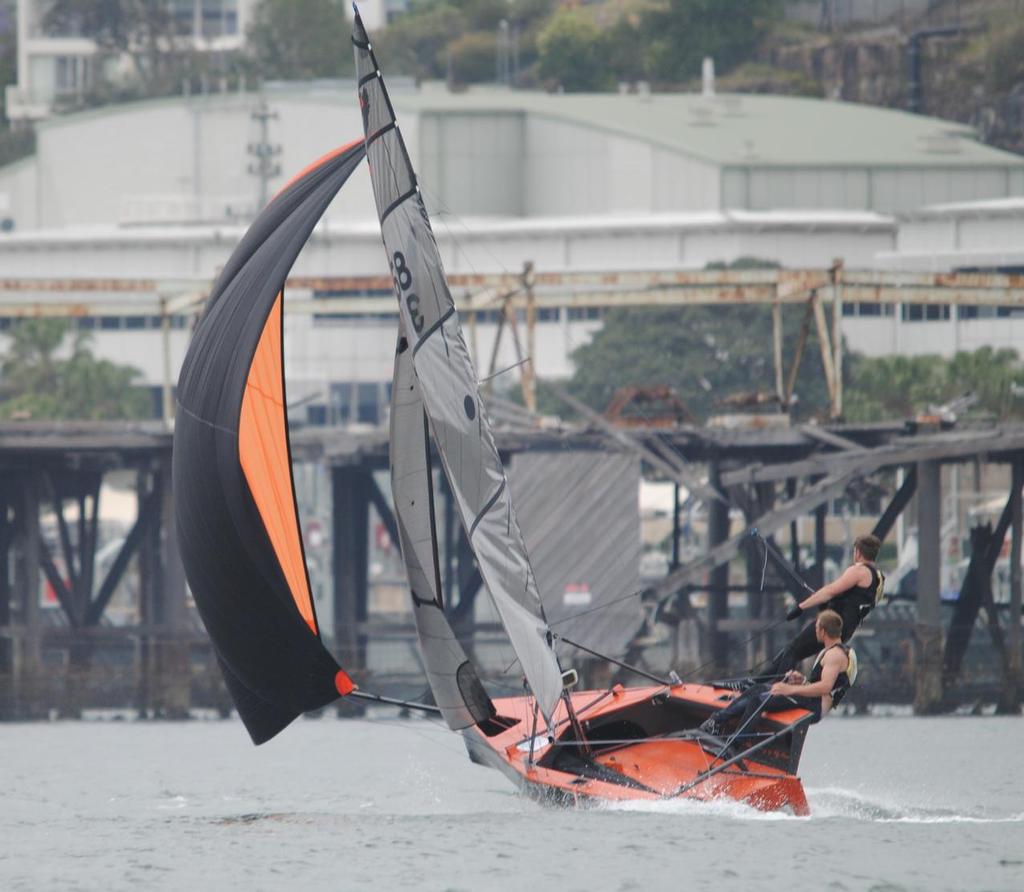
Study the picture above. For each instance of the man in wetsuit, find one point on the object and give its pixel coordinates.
(853, 595)
(833, 673)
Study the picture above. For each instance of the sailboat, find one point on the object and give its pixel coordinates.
(242, 547)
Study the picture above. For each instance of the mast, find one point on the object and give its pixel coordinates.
(448, 387)
(453, 679)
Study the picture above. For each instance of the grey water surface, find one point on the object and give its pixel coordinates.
(898, 803)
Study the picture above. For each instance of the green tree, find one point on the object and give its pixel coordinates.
(704, 353)
(893, 386)
(473, 57)
(679, 34)
(416, 43)
(995, 377)
(8, 68)
(903, 386)
(300, 39)
(623, 49)
(145, 30)
(35, 383)
(571, 54)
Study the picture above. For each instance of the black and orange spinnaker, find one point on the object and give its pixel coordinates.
(237, 520)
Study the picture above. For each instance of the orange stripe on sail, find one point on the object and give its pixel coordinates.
(309, 168)
(263, 453)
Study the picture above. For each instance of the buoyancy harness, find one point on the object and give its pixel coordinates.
(856, 603)
(845, 680)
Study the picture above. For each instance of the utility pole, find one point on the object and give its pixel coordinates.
(264, 166)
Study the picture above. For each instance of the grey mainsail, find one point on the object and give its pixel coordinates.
(456, 686)
(448, 386)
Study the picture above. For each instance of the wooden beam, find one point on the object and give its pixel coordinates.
(529, 369)
(635, 445)
(148, 511)
(384, 511)
(928, 632)
(798, 354)
(825, 343)
(718, 584)
(941, 447)
(895, 507)
(65, 597)
(1009, 701)
(780, 390)
(57, 497)
(823, 435)
(836, 274)
(766, 524)
(493, 364)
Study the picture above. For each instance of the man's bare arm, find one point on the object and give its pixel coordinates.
(831, 665)
(852, 575)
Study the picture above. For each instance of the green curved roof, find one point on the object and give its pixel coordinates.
(732, 130)
(749, 130)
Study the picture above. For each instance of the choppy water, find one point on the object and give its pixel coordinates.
(899, 803)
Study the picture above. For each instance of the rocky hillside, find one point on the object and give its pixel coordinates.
(970, 62)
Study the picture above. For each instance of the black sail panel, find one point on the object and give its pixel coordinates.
(448, 386)
(234, 499)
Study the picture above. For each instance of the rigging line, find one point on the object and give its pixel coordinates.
(663, 681)
(447, 212)
(514, 365)
(782, 564)
(589, 610)
(764, 566)
(767, 628)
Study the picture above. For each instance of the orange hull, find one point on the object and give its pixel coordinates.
(633, 755)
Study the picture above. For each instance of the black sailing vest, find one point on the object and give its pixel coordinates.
(856, 603)
(844, 680)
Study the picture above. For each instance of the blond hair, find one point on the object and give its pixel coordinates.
(831, 623)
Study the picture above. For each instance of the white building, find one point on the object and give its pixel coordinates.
(970, 236)
(161, 190)
(498, 153)
(55, 66)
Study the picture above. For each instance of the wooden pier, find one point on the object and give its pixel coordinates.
(77, 654)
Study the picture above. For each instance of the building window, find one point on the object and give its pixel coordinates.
(868, 309)
(359, 402)
(70, 76)
(330, 318)
(925, 312)
(588, 314)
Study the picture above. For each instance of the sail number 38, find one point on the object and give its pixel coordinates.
(403, 284)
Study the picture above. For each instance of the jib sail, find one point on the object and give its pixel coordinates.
(448, 386)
